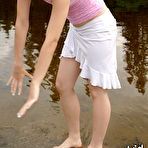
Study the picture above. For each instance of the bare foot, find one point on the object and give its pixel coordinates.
(104, 146)
(69, 143)
(94, 147)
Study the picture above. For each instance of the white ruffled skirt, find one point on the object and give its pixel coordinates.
(94, 46)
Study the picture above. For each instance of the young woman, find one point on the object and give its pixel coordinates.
(89, 50)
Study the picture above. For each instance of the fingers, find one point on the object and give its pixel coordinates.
(13, 87)
(20, 84)
(10, 79)
(29, 75)
(25, 107)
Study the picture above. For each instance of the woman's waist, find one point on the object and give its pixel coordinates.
(99, 14)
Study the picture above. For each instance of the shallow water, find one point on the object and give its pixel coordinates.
(44, 125)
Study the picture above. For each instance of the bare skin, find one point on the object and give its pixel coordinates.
(71, 109)
(54, 29)
(16, 79)
(68, 72)
(81, 24)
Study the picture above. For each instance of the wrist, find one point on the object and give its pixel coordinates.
(18, 64)
(35, 82)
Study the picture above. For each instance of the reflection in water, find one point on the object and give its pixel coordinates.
(135, 33)
(87, 90)
(50, 78)
(35, 38)
(135, 30)
(136, 48)
(33, 46)
(44, 126)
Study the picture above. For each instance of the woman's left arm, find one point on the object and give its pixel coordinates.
(55, 26)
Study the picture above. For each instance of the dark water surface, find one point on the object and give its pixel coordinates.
(44, 125)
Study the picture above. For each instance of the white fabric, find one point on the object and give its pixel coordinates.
(94, 46)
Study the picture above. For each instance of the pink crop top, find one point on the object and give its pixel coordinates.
(83, 10)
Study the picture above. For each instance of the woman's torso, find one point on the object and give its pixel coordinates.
(81, 11)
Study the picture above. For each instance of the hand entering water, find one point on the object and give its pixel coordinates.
(32, 98)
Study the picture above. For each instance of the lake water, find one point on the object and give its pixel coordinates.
(44, 125)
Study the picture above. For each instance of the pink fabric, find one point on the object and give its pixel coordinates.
(83, 10)
(48, 1)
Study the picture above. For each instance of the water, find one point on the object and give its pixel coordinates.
(44, 125)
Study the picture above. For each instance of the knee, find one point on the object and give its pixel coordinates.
(96, 91)
(62, 86)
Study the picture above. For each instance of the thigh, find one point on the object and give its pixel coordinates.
(68, 72)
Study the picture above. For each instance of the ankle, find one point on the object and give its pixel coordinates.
(74, 136)
(95, 146)
(75, 139)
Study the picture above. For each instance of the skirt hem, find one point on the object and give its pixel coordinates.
(104, 80)
(93, 45)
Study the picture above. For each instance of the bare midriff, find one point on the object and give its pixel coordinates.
(100, 13)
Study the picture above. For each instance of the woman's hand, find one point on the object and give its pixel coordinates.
(32, 98)
(16, 79)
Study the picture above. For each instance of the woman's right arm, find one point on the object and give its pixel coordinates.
(21, 29)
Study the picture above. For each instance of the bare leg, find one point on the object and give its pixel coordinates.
(101, 115)
(67, 75)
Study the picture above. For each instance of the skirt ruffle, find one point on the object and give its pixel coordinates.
(104, 80)
(94, 46)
